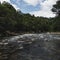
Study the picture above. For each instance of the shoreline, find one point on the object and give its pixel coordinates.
(8, 33)
(54, 32)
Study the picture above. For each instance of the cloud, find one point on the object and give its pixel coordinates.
(16, 7)
(4, 0)
(45, 10)
(31, 2)
(43, 13)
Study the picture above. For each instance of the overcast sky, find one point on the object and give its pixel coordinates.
(36, 7)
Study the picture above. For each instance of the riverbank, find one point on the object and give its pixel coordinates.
(9, 34)
(54, 32)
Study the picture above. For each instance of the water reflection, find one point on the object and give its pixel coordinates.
(31, 47)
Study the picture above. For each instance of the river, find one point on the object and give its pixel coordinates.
(43, 46)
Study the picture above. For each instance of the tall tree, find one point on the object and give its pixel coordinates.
(56, 8)
(56, 21)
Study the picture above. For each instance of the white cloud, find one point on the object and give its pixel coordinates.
(15, 6)
(43, 13)
(4, 0)
(45, 10)
(31, 2)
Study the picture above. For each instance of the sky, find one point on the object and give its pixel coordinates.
(34, 7)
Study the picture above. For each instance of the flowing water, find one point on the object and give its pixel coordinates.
(43, 46)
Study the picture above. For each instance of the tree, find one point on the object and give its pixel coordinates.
(56, 8)
(56, 20)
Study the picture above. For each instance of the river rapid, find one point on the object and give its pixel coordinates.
(43, 46)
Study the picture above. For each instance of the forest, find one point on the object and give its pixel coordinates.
(12, 20)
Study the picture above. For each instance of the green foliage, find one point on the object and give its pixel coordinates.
(56, 20)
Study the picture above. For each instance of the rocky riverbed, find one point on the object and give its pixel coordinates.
(43, 46)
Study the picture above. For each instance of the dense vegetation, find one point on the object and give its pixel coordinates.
(15, 21)
(56, 21)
